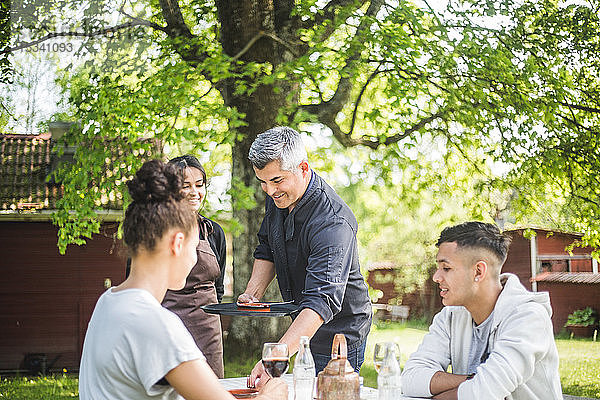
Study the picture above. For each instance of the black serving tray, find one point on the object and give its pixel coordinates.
(276, 310)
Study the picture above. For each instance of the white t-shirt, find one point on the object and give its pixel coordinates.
(131, 343)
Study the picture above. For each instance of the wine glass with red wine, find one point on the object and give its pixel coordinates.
(275, 359)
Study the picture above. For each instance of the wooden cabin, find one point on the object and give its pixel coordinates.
(46, 299)
(539, 257)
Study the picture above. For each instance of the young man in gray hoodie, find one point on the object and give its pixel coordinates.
(496, 335)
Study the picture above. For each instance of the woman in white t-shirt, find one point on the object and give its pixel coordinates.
(134, 348)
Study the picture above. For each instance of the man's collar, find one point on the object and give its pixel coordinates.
(289, 222)
(306, 193)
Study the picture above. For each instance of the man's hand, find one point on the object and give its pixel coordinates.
(247, 298)
(274, 389)
(263, 272)
(258, 373)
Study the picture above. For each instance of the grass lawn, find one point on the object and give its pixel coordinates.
(408, 336)
(579, 366)
(58, 387)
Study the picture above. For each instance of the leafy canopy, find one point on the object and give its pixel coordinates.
(511, 82)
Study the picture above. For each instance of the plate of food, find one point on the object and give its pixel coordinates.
(244, 393)
(253, 305)
(258, 309)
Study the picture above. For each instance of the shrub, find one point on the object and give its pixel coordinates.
(585, 317)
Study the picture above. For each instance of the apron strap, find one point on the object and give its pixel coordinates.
(205, 227)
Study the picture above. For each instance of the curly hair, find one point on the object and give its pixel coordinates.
(157, 206)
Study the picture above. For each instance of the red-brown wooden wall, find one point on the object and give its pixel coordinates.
(383, 279)
(518, 259)
(564, 297)
(557, 242)
(568, 297)
(46, 299)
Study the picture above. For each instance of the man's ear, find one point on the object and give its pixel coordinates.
(177, 241)
(481, 270)
(304, 167)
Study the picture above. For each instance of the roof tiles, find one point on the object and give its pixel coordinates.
(24, 164)
(27, 160)
(568, 277)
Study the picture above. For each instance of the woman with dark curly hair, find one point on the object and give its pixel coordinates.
(204, 285)
(134, 348)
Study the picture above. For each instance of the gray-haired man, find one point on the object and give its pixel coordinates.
(308, 240)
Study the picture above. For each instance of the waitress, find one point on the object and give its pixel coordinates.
(204, 284)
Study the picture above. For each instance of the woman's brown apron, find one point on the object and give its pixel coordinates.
(200, 290)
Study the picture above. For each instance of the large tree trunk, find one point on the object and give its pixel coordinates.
(241, 22)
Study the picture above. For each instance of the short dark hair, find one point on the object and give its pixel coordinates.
(187, 160)
(157, 206)
(475, 234)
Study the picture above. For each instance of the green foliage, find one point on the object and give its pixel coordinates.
(131, 105)
(432, 103)
(583, 317)
(552, 136)
(6, 69)
(402, 204)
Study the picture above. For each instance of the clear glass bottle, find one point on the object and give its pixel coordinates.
(388, 380)
(304, 371)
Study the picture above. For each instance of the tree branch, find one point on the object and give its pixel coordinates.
(342, 93)
(581, 108)
(260, 34)
(136, 19)
(327, 111)
(99, 32)
(248, 45)
(461, 150)
(370, 141)
(362, 91)
(328, 13)
(189, 50)
(176, 25)
(577, 124)
(396, 138)
(283, 42)
(573, 186)
(6, 110)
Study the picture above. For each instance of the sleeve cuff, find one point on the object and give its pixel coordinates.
(319, 306)
(263, 253)
(416, 383)
(465, 391)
